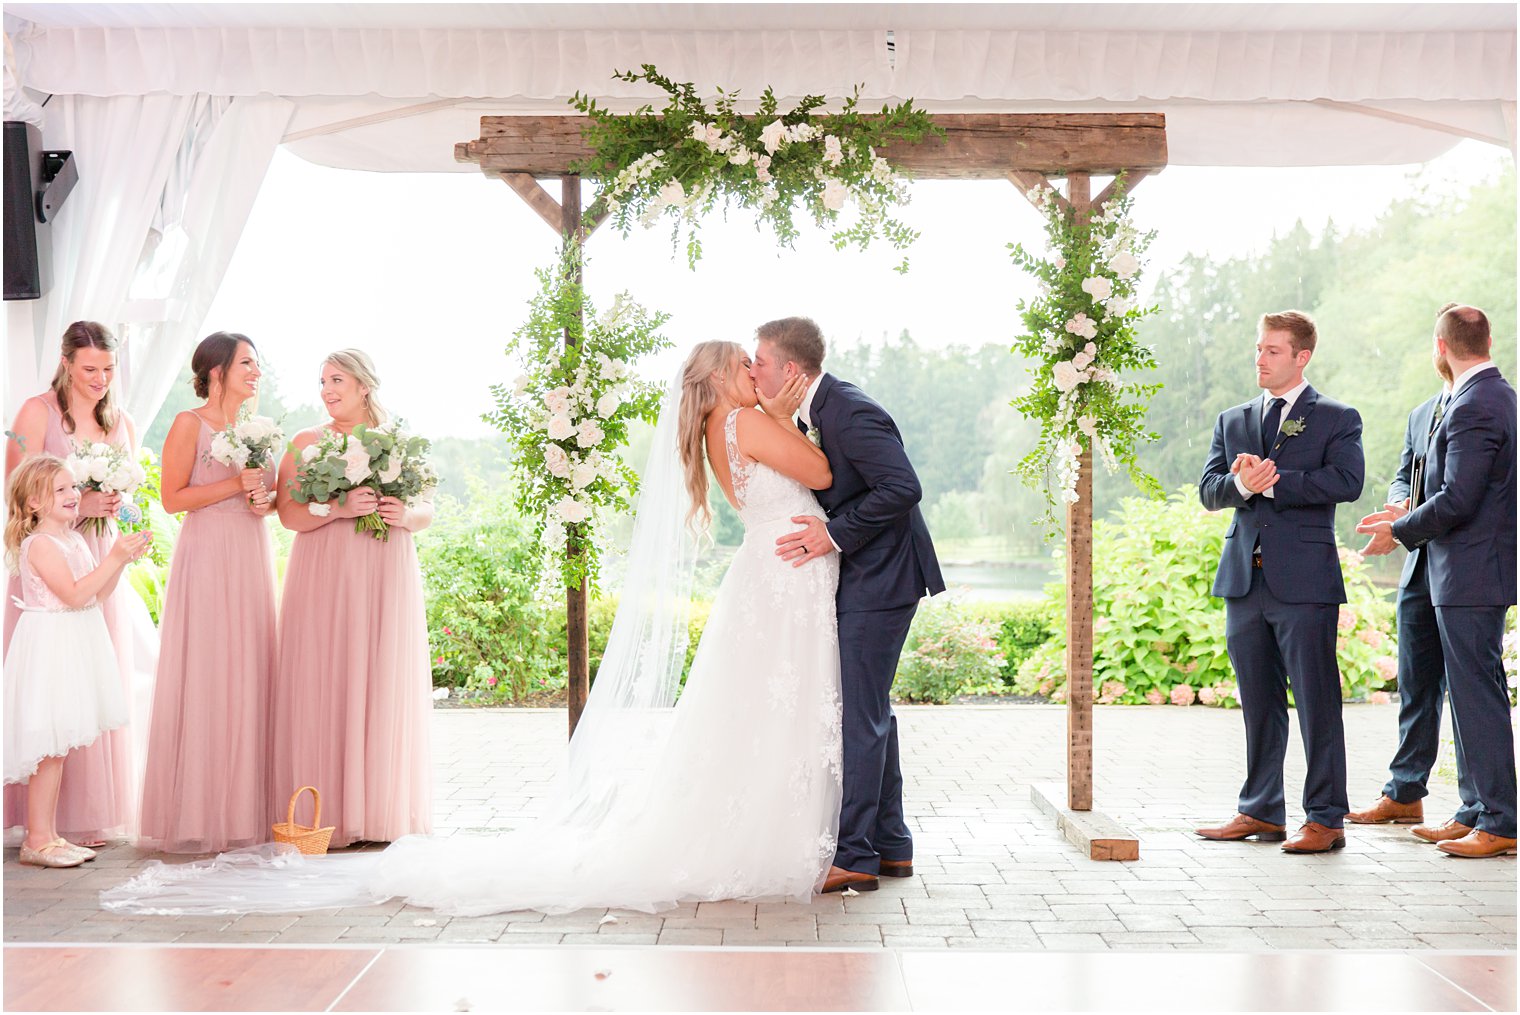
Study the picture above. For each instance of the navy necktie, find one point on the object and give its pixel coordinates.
(801, 425)
(1269, 426)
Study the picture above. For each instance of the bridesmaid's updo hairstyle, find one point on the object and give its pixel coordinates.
(85, 335)
(31, 481)
(217, 351)
(357, 364)
(703, 381)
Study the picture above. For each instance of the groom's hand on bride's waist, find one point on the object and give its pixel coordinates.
(807, 543)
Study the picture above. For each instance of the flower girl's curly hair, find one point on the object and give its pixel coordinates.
(702, 383)
(31, 481)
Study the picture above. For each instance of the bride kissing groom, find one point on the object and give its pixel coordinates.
(776, 774)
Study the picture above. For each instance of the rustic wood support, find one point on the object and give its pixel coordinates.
(975, 145)
(1132, 178)
(1029, 181)
(577, 618)
(1079, 597)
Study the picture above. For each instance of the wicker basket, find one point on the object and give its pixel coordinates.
(311, 839)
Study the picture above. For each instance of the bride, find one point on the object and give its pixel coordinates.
(733, 793)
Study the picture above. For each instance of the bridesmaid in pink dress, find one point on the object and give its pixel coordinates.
(353, 690)
(99, 797)
(205, 787)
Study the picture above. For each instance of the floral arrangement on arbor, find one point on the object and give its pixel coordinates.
(681, 162)
(1080, 333)
(566, 417)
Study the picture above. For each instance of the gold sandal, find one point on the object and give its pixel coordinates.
(51, 855)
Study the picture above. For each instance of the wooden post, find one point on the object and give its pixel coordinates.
(1079, 597)
(578, 648)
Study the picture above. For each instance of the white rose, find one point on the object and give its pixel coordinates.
(672, 193)
(1098, 287)
(222, 449)
(558, 400)
(582, 476)
(833, 154)
(318, 509)
(99, 449)
(1124, 264)
(355, 462)
(255, 429)
(699, 132)
(739, 156)
(713, 134)
(1082, 325)
(834, 194)
(520, 385)
(771, 135)
(1088, 425)
(571, 510)
(557, 461)
(99, 468)
(589, 434)
(1066, 376)
(608, 404)
(392, 470)
(560, 427)
(1081, 360)
(1120, 305)
(310, 452)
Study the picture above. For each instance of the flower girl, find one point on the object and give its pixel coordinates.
(62, 687)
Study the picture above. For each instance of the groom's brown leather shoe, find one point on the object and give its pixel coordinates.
(1243, 826)
(839, 879)
(1388, 810)
(1478, 844)
(897, 868)
(1453, 829)
(1313, 837)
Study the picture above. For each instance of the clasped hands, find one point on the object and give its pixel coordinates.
(1257, 474)
(1379, 525)
(260, 500)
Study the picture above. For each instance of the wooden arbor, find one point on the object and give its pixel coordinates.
(1027, 149)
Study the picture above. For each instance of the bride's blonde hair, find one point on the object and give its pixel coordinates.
(702, 384)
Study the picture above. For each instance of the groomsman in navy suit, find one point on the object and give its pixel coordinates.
(886, 565)
(1465, 525)
(1422, 667)
(1283, 461)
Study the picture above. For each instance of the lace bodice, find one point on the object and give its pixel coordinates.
(34, 591)
(764, 494)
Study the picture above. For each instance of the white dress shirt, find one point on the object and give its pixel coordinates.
(1290, 398)
(805, 410)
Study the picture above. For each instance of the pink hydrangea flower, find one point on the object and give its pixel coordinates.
(1387, 667)
(1155, 697)
(1207, 696)
(1345, 620)
(1371, 636)
(1183, 694)
(1379, 697)
(1111, 692)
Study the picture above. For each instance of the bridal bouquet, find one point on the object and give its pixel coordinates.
(107, 468)
(248, 443)
(385, 459)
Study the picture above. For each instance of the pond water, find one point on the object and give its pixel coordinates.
(999, 582)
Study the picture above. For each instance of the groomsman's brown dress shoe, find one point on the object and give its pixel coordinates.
(1313, 837)
(897, 868)
(1478, 844)
(839, 879)
(1243, 826)
(1453, 829)
(1387, 810)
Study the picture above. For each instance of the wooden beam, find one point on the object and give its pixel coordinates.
(1028, 181)
(1096, 834)
(1132, 179)
(539, 199)
(1079, 597)
(975, 146)
(577, 619)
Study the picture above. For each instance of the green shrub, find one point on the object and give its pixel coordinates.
(1158, 633)
(1021, 628)
(950, 651)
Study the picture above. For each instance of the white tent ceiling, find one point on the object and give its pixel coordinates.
(391, 87)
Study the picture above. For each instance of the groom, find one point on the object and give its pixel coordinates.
(886, 564)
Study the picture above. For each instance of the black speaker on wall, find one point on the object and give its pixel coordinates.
(26, 245)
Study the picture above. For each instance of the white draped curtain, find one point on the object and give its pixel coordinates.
(166, 183)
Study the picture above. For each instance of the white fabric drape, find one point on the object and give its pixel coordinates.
(165, 187)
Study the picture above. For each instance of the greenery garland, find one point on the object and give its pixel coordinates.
(566, 417)
(681, 162)
(1080, 333)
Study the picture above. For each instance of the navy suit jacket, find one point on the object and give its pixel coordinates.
(1416, 442)
(886, 557)
(1467, 522)
(1319, 468)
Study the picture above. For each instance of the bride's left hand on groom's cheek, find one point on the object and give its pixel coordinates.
(807, 543)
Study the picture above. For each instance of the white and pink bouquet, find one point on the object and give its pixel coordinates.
(107, 468)
(385, 459)
(248, 443)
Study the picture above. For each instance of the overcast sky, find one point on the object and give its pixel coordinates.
(431, 273)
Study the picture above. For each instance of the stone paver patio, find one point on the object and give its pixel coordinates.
(993, 872)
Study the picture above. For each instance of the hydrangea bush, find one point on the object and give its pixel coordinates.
(680, 163)
(1079, 332)
(566, 416)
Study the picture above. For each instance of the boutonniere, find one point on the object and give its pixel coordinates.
(814, 436)
(1292, 427)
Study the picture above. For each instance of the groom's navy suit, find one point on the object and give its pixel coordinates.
(1465, 527)
(1280, 577)
(886, 565)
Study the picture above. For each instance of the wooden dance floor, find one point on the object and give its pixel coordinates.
(567, 978)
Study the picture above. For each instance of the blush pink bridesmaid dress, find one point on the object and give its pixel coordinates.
(99, 795)
(353, 689)
(205, 786)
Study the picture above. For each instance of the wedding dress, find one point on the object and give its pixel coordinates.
(731, 794)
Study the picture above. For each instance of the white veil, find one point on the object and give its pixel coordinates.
(624, 728)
